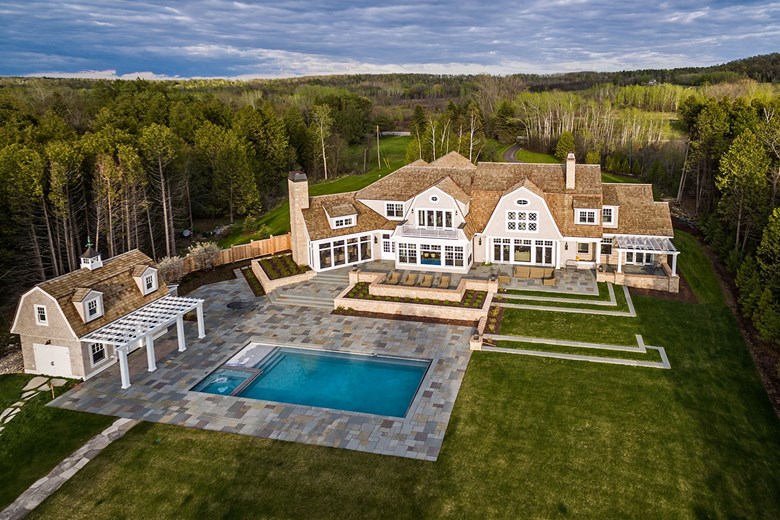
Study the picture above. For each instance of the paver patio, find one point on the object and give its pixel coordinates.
(163, 396)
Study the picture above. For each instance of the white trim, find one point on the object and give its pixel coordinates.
(578, 212)
(36, 312)
(98, 299)
(395, 208)
(526, 194)
(106, 357)
(615, 213)
(56, 304)
(528, 221)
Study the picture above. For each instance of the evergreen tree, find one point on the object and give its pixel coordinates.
(565, 146)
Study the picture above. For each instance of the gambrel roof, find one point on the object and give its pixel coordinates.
(483, 185)
(114, 280)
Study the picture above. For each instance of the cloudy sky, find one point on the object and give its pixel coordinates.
(219, 38)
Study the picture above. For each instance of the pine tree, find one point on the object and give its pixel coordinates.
(565, 146)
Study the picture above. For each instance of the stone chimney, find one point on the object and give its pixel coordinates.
(570, 167)
(298, 188)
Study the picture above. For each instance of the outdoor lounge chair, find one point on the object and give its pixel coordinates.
(549, 282)
(393, 278)
(410, 279)
(549, 273)
(444, 282)
(522, 272)
(427, 280)
(536, 273)
(504, 279)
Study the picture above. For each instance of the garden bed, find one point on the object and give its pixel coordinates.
(493, 323)
(281, 266)
(251, 279)
(471, 299)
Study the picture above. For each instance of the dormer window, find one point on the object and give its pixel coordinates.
(394, 210)
(343, 222)
(587, 216)
(609, 216)
(146, 278)
(89, 303)
(92, 309)
(40, 315)
(150, 283)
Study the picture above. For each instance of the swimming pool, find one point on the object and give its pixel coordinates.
(357, 383)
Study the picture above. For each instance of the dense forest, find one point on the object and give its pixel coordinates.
(136, 163)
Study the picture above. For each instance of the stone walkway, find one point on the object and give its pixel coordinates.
(33, 387)
(641, 348)
(47, 485)
(164, 395)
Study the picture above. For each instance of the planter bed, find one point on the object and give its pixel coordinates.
(471, 299)
(281, 266)
(252, 280)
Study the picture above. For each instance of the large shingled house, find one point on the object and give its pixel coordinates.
(450, 214)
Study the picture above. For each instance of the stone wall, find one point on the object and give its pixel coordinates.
(643, 281)
(271, 285)
(413, 309)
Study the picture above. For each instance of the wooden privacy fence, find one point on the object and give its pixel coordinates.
(255, 248)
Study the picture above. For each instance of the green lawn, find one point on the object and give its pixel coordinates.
(38, 438)
(536, 157)
(277, 220)
(529, 438)
(616, 177)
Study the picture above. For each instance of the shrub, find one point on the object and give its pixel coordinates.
(171, 269)
(204, 254)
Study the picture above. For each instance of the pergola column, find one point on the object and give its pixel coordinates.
(201, 324)
(150, 358)
(558, 254)
(674, 264)
(124, 369)
(180, 333)
(620, 261)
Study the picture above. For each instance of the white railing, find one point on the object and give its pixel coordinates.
(411, 231)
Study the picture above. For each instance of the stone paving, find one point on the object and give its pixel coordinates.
(33, 387)
(163, 396)
(46, 486)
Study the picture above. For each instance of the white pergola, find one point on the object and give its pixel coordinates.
(655, 245)
(144, 323)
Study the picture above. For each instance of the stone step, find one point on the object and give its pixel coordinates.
(301, 300)
(331, 278)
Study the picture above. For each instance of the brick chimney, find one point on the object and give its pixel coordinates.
(298, 188)
(570, 167)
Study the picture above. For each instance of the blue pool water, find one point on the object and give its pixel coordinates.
(376, 385)
(223, 381)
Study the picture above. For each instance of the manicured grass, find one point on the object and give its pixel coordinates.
(277, 220)
(697, 269)
(620, 300)
(528, 438)
(38, 438)
(616, 177)
(536, 157)
(650, 355)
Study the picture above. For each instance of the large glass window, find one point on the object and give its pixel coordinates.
(522, 221)
(434, 218)
(344, 251)
(501, 249)
(606, 246)
(387, 245)
(544, 252)
(407, 253)
(453, 256)
(430, 254)
(522, 251)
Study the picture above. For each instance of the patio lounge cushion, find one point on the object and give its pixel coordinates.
(550, 282)
(427, 281)
(522, 272)
(393, 278)
(444, 282)
(549, 273)
(504, 279)
(536, 272)
(410, 279)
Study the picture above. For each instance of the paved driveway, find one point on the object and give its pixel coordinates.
(163, 396)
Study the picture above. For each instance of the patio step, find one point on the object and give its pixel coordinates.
(332, 278)
(301, 300)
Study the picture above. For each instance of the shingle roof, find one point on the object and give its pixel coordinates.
(448, 186)
(484, 184)
(317, 221)
(338, 208)
(638, 213)
(121, 294)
